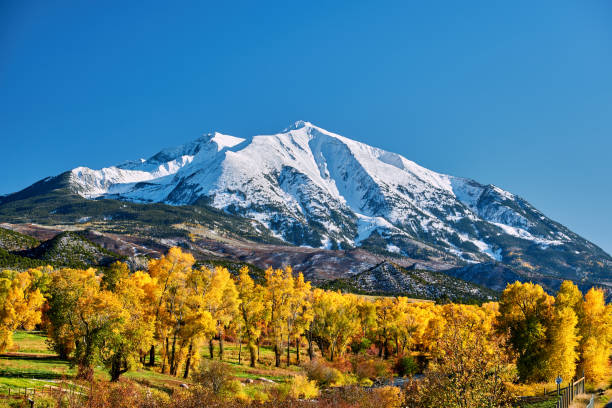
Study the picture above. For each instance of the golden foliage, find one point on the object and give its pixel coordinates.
(20, 303)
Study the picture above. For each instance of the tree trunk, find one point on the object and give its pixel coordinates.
(386, 349)
(240, 352)
(188, 362)
(220, 345)
(114, 372)
(116, 369)
(277, 355)
(165, 357)
(172, 362)
(258, 355)
(252, 351)
(297, 350)
(63, 352)
(152, 356)
(310, 348)
(211, 348)
(288, 351)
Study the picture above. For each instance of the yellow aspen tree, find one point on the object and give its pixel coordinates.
(525, 312)
(596, 332)
(149, 290)
(468, 367)
(413, 325)
(122, 346)
(252, 310)
(198, 321)
(335, 321)
(403, 327)
(221, 298)
(63, 293)
(113, 274)
(563, 343)
(366, 310)
(279, 289)
(421, 316)
(169, 272)
(563, 334)
(82, 314)
(299, 315)
(570, 296)
(386, 324)
(20, 304)
(198, 305)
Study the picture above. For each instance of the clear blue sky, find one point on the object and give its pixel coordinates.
(514, 93)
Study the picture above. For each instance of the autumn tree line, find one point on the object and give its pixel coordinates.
(165, 316)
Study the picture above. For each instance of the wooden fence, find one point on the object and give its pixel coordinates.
(591, 402)
(31, 392)
(567, 394)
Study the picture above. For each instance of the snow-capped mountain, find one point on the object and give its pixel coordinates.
(312, 187)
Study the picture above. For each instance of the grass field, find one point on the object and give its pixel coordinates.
(30, 364)
(30, 342)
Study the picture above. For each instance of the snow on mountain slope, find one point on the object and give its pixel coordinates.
(315, 188)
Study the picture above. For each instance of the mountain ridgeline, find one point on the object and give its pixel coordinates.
(309, 187)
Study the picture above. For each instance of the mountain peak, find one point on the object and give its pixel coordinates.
(225, 141)
(315, 188)
(299, 124)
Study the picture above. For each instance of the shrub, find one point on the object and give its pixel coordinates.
(260, 396)
(366, 382)
(234, 388)
(322, 373)
(406, 365)
(341, 364)
(215, 375)
(121, 394)
(351, 395)
(384, 397)
(370, 368)
(355, 396)
(299, 388)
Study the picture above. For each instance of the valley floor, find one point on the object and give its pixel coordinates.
(30, 370)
